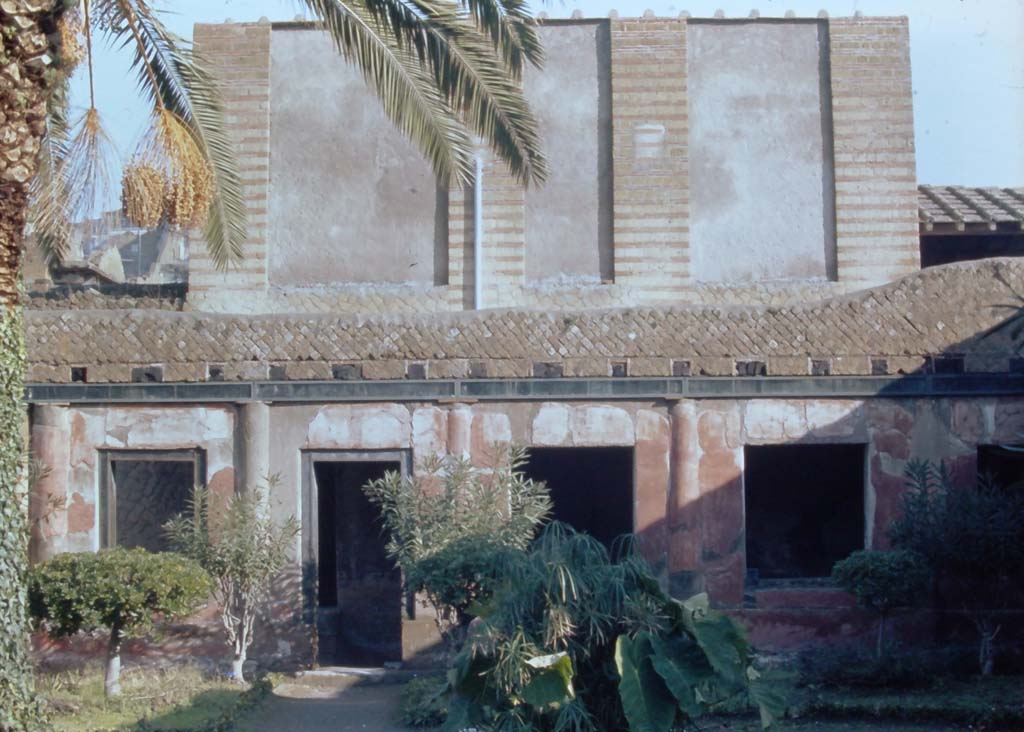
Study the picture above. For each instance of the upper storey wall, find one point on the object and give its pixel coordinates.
(351, 199)
(714, 161)
(760, 152)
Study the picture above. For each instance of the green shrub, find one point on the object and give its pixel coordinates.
(452, 527)
(972, 538)
(578, 639)
(882, 581)
(123, 591)
(423, 702)
(243, 548)
(899, 668)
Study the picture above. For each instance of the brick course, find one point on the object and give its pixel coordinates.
(873, 128)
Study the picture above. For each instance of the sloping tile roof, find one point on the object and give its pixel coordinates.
(935, 311)
(959, 208)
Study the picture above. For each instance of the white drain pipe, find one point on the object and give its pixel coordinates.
(478, 234)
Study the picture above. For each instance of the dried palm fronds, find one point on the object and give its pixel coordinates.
(188, 198)
(142, 194)
(169, 178)
(72, 47)
(86, 168)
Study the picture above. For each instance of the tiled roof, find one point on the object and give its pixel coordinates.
(959, 208)
(941, 310)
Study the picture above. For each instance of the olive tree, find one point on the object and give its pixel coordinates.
(243, 548)
(452, 526)
(122, 591)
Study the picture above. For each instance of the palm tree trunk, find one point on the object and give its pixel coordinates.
(25, 83)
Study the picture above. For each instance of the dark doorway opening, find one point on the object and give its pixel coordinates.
(1003, 465)
(804, 508)
(143, 490)
(591, 487)
(359, 590)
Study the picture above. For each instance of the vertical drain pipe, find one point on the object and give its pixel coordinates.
(478, 234)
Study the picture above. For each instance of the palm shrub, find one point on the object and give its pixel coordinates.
(578, 639)
(972, 538)
(123, 591)
(882, 581)
(452, 528)
(243, 548)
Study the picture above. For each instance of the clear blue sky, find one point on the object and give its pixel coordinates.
(967, 58)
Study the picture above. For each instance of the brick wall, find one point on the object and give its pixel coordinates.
(649, 138)
(875, 197)
(239, 56)
(873, 124)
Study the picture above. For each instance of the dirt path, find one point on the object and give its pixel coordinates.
(355, 709)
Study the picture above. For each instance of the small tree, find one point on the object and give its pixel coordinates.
(244, 549)
(451, 527)
(972, 538)
(882, 581)
(120, 590)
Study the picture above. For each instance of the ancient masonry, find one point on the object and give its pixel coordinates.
(661, 313)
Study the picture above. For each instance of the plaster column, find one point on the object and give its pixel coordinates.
(686, 575)
(254, 445)
(50, 442)
(460, 430)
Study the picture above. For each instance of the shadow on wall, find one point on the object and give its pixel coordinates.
(779, 489)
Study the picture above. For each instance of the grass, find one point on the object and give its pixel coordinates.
(173, 698)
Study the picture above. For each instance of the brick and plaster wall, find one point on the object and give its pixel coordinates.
(687, 485)
(636, 219)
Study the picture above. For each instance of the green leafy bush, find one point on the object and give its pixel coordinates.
(452, 528)
(972, 538)
(858, 667)
(423, 702)
(123, 591)
(243, 548)
(882, 581)
(577, 639)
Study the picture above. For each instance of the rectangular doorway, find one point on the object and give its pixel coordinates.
(353, 586)
(591, 487)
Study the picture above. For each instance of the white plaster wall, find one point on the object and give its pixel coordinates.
(761, 180)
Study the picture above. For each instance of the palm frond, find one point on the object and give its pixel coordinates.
(49, 213)
(174, 77)
(482, 91)
(455, 59)
(385, 50)
(86, 168)
(513, 32)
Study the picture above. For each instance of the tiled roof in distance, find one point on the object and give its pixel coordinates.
(960, 208)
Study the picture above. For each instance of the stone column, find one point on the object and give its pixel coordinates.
(460, 430)
(50, 442)
(686, 576)
(254, 447)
